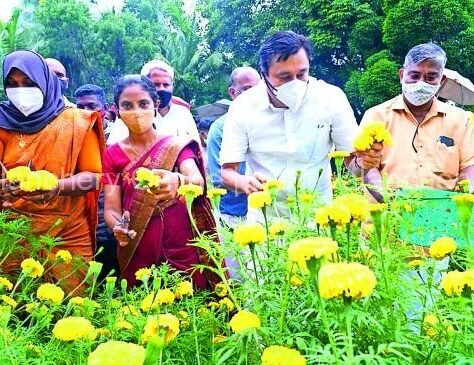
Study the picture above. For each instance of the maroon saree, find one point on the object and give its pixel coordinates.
(163, 229)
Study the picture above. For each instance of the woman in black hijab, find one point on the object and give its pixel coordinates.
(36, 129)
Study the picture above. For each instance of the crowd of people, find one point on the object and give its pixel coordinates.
(280, 121)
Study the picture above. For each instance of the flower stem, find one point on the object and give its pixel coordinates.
(252, 252)
(348, 315)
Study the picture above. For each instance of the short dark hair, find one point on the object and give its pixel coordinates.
(129, 80)
(282, 45)
(90, 89)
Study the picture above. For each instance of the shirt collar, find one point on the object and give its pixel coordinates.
(438, 107)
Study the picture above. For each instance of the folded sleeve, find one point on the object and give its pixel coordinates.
(344, 127)
(235, 140)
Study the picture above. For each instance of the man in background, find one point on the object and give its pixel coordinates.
(233, 205)
(59, 70)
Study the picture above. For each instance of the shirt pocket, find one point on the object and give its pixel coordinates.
(315, 142)
(446, 161)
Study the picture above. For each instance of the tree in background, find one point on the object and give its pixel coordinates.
(358, 44)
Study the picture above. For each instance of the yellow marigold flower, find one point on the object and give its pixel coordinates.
(259, 199)
(190, 191)
(5, 284)
(39, 180)
(166, 322)
(279, 227)
(18, 174)
(455, 282)
(346, 280)
(338, 154)
(307, 198)
(295, 280)
(358, 206)
(213, 305)
(442, 247)
(32, 268)
(227, 303)
(143, 274)
(221, 290)
(280, 355)
(146, 178)
(51, 293)
(244, 320)
(429, 324)
(164, 296)
(333, 214)
(363, 142)
(124, 325)
(372, 132)
(73, 328)
(249, 233)
(184, 288)
(117, 353)
(64, 255)
(10, 301)
(273, 185)
(215, 192)
(415, 263)
(308, 248)
(79, 301)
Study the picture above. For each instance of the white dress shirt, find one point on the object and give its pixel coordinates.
(277, 142)
(177, 122)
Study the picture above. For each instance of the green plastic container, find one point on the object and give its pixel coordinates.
(434, 215)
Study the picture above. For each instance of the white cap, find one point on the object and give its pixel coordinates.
(162, 65)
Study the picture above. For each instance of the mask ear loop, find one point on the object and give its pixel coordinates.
(269, 85)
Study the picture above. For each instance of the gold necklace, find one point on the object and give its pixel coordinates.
(22, 143)
(135, 151)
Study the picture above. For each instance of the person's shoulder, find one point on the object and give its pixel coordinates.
(255, 98)
(179, 109)
(394, 103)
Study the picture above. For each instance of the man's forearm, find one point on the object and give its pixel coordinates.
(231, 179)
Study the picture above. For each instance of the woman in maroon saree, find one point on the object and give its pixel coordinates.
(159, 228)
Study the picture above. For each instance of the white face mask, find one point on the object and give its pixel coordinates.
(292, 93)
(419, 93)
(26, 99)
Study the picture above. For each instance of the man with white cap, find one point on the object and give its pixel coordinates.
(173, 118)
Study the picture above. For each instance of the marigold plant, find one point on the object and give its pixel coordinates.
(117, 353)
(346, 280)
(244, 320)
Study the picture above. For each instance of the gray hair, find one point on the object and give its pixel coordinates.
(423, 52)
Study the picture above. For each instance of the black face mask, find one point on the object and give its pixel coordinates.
(63, 86)
(165, 98)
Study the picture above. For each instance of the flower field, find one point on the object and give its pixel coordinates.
(324, 284)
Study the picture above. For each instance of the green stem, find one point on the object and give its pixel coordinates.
(252, 252)
(264, 211)
(348, 234)
(348, 315)
(285, 304)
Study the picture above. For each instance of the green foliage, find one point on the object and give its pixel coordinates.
(411, 22)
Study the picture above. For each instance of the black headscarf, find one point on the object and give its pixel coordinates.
(35, 67)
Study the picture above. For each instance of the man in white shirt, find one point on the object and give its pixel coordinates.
(289, 122)
(172, 118)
